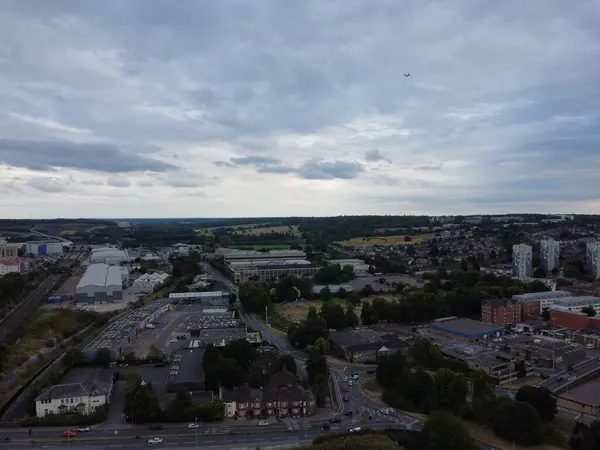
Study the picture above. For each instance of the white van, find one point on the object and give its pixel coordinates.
(589, 346)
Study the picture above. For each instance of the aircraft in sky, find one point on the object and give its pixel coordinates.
(407, 75)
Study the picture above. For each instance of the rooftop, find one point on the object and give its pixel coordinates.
(101, 275)
(465, 327)
(219, 320)
(577, 301)
(186, 295)
(541, 296)
(220, 336)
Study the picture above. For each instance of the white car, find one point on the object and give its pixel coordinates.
(354, 430)
(346, 379)
(350, 383)
(263, 423)
(355, 377)
(173, 341)
(83, 429)
(193, 425)
(155, 440)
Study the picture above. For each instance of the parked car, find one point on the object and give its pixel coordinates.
(346, 398)
(155, 440)
(69, 433)
(263, 423)
(157, 427)
(345, 389)
(354, 429)
(193, 425)
(83, 429)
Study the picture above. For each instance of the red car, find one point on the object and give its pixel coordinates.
(345, 389)
(69, 433)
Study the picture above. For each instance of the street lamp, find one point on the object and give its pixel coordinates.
(196, 428)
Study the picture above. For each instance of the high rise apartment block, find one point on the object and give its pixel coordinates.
(549, 253)
(522, 257)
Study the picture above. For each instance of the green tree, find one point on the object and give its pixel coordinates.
(254, 297)
(257, 377)
(450, 391)
(445, 431)
(154, 352)
(73, 358)
(312, 313)
(589, 311)
(351, 317)
(367, 314)
(334, 315)
(540, 398)
(288, 362)
(517, 422)
(103, 358)
(390, 370)
(232, 299)
(325, 294)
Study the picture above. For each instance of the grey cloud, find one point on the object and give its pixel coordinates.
(375, 155)
(145, 183)
(93, 183)
(324, 170)
(47, 184)
(223, 164)
(254, 161)
(45, 155)
(430, 167)
(118, 182)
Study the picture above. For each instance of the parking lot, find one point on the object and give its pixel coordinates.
(171, 324)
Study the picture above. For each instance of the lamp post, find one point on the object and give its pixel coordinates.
(196, 428)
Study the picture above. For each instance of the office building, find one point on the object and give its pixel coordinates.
(358, 265)
(522, 257)
(592, 258)
(549, 253)
(542, 300)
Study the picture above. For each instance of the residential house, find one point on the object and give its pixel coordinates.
(282, 397)
(83, 398)
(500, 311)
(363, 345)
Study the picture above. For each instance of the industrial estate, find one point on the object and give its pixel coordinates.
(310, 338)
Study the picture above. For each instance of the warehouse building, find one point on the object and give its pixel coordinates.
(109, 255)
(101, 283)
(185, 373)
(267, 270)
(209, 298)
(465, 329)
(43, 248)
(148, 282)
(230, 255)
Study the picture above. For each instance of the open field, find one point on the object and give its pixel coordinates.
(258, 247)
(96, 228)
(296, 312)
(66, 232)
(254, 229)
(384, 240)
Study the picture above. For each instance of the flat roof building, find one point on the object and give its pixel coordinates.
(466, 329)
(185, 373)
(101, 283)
(210, 298)
(358, 265)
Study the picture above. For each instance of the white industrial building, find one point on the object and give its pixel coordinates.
(148, 282)
(550, 254)
(9, 266)
(546, 299)
(267, 270)
(101, 283)
(522, 260)
(109, 255)
(358, 265)
(43, 248)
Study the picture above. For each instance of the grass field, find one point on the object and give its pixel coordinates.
(258, 247)
(254, 229)
(101, 227)
(298, 312)
(66, 232)
(384, 240)
(209, 231)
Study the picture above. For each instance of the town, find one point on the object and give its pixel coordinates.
(254, 328)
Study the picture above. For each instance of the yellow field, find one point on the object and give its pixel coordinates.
(96, 228)
(123, 224)
(384, 240)
(253, 229)
(66, 232)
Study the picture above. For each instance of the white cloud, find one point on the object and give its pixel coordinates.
(282, 103)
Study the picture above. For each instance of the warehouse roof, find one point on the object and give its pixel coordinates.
(101, 275)
(541, 296)
(465, 327)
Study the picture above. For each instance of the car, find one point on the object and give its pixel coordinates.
(355, 376)
(350, 383)
(589, 346)
(69, 433)
(346, 398)
(155, 440)
(173, 341)
(354, 429)
(157, 427)
(263, 423)
(193, 425)
(83, 429)
(345, 379)
(335, 419)
(345, 389)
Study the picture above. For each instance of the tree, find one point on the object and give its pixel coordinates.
(257, 378)
(540, 398)
(334, 315)
(517, 421)
(232, 299)
(367, 314)
(312, 313)
(73, 358)
(445, 431)
(585, 437)
(351, 317)
(231, 374)
(450, 391)
(154, 352)
(390, 370)
(325, 294)
(539, 272)
(103, 358)
(129, 357)
(589, 311)
(288, 362)
(254, 297)
(241, 351)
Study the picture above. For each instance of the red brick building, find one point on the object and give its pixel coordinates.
(573, 319)
(500, 311)
(530, 308)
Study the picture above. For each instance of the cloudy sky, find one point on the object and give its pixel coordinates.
(137, 108)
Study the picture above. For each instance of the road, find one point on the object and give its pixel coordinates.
(565, 379)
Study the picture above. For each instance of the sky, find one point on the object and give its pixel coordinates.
(244, 108)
